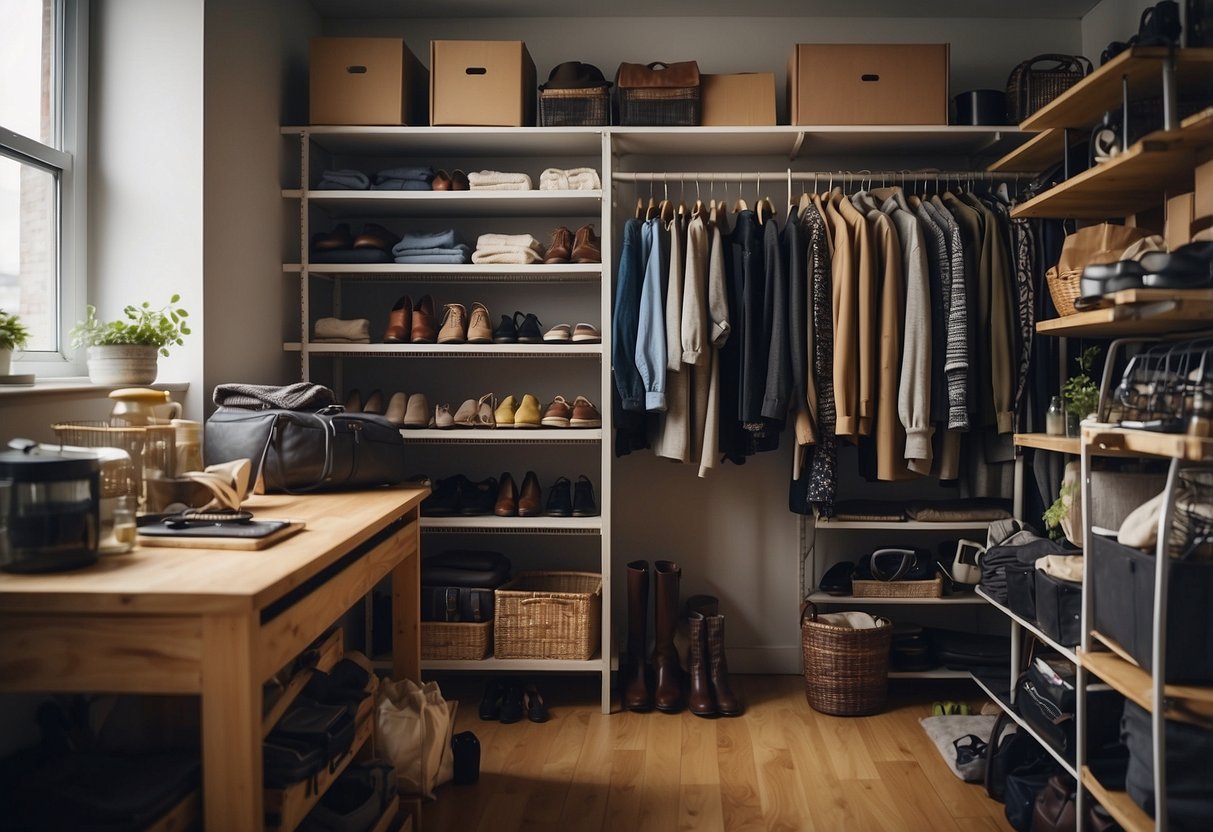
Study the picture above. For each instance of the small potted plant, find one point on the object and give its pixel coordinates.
(13, 336)
(1081, 394)
(124, 351)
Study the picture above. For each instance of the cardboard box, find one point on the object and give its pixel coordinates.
(1178, 229)
(365, 81)
(1202, 203)
(898, 83)
(481, 83)
(746, 99)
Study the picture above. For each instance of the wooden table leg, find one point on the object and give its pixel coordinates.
(406, 623)
(231, 724)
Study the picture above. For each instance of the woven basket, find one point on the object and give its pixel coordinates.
(898, 589)
(1064, 287)
(846, 671)
(660, 106)
(586, 107)
(1036, 82)
(455, 640)
(548, 615)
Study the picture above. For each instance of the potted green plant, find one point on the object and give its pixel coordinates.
(124, 351)
(13, 336)
(1080, 392)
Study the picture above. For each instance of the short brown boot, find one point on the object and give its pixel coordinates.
(700, 699)
(727, 702)
(399, 322)
(634, 680)
(586, 246)
(423, 330)
(561, 246)
(665, 655)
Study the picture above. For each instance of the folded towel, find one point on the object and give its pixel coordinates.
(301, 395)
(514, 240)
(354, 180)
(497, 180)
(524, 256)
(432, 259)
(432, 239)
(401, 185)
(572, 179)
(423, 252)
(422, 173)
(352, 329)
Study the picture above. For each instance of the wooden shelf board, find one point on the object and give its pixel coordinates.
(1031, 626)
(1038, 153)
(1085, 103)
(345, 204)
(185, 816)
(1048, 442)
(900, 525)
(1118, 803)
(934, 673)
(497, 436)
(327, 654)
(1171, 445)
(1186, 703)
(488, 273)
(1138, 312)
(514, 665)
(505, 524)
(949, 600)
(387, 820)
(1127, 183)
(450, 142)
(442, 350)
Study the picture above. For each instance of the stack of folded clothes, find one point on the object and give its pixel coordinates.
(521, 249)
(572, 179)
(343, 180)
(431, 248)
(495, 180)
(404, 179)
(340, 331)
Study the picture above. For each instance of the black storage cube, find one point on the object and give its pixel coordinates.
(1059, 608)
(1122, 580)
(1189, 769)
(1021, 590)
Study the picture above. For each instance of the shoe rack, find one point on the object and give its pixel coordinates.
(556, 293)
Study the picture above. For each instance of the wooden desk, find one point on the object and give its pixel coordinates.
(217, 623)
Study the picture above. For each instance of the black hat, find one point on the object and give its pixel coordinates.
(572, 75)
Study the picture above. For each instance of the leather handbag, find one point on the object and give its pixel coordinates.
(456, 603)
(1056, 807)
(300, 450)
(657, 75)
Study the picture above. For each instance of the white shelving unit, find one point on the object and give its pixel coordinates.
(341, 290)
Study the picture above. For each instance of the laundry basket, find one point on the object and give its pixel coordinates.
(846, 671)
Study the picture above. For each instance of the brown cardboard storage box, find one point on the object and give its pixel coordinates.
(1202, 201)
(842, 83)
(746, 99)
(481, 83)
(366, 81)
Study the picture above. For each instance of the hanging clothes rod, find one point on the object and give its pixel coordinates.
(809, 176)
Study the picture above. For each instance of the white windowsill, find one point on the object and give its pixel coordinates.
(74, 388)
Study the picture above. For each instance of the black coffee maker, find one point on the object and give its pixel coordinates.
(49, 508)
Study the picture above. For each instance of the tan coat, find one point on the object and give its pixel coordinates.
(846, 322)
(864, 356)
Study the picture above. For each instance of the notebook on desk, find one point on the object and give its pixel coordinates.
(251, 535)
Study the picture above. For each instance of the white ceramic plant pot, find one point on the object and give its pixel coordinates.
(6, 361)
(122, 364)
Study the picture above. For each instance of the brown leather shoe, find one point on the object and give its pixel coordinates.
(441, 181)
(584, 414)
(459, 181)
(339, 238)
(376, 236)
(530, 503)
(507, 497)
(586, 247)
(557, 414)
(399, 322)
(561, 245)
(424, 331)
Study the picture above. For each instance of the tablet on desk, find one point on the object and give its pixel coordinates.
(253, 534)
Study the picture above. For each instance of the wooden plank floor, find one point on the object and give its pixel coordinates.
(782, 766)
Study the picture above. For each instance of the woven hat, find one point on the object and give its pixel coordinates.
(572, 75)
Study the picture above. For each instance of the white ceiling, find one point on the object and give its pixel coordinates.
(1056, 9)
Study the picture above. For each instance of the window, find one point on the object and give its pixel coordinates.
(42, 67)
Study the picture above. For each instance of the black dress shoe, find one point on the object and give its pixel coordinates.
(505, 332)
(478, 498)
(583, 498)
(529, 330)
(560, 499)
(444, 497)
(490, 703)
(511, 703)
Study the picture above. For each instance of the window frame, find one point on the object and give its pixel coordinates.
(69, 162)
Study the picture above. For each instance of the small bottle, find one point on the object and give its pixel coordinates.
(1055, 418)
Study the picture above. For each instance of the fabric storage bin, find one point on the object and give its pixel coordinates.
(549, 615)
(846, 671)
(587, 107)
(1058, 608)
(1046, 702)
(448, 640)
(1122, 583)
(1189, 768)
(1021, 590)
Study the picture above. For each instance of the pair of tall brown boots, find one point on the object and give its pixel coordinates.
(708, 692)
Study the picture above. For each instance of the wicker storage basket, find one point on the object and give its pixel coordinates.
(898, 589)
(548, 615)
(846, 671)
(587, 107)
(1064, 287)
(456, 640)
(1031, 85)
(669, 107)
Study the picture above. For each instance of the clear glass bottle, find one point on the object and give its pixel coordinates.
(1055, 418)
